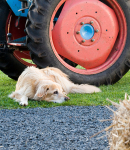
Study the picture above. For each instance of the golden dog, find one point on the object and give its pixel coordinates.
(49, 84)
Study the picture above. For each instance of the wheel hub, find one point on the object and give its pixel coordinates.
(82, 33)
(87, 31)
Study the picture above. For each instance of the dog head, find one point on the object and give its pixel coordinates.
(51, 93)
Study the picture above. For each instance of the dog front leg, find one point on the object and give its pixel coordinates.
(24, 101)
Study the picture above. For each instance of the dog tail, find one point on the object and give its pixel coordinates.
(84, 88)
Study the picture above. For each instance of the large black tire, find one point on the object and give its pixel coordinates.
(38, 41)
(8, 63)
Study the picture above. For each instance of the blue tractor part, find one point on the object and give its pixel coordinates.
(19, 7)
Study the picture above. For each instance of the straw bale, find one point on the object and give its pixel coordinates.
(119, 135)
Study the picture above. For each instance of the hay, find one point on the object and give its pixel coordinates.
(119, 136)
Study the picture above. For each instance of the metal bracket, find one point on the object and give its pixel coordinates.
(4, 47)
(25, 5)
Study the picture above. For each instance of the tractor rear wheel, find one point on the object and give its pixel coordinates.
(93, 34)
(11, 62)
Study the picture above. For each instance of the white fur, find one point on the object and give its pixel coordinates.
(49, 84)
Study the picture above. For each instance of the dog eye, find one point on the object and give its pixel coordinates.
(47, 89)
(56, 92)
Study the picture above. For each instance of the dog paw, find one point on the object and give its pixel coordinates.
(97, 90)
(23, 103)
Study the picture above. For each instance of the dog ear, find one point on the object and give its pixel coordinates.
(41, 91)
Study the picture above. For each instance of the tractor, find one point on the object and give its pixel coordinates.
(89, 40)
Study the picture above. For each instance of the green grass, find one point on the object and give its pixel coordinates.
(113, 92)
(28, 60)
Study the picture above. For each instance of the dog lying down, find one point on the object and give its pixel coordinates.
(49, 84)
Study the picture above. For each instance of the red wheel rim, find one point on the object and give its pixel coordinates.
(18, 32)
(116, 49)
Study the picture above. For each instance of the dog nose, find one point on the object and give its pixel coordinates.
(66, 98)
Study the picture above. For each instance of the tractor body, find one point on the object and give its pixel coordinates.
(86, 39)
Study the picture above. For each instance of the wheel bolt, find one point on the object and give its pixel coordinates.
(91, 22)
(83, 41)
(78, 32)
(96, 30)
(92, 40)
(82, 23)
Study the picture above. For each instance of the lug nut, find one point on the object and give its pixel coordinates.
(96, 30)
(92, 40)
(91, 22)
(82, 23)
(83, 41)
(78, 32)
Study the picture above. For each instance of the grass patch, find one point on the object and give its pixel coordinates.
(113, 92)
(28, 60)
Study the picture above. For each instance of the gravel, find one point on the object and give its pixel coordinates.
(57, 128)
